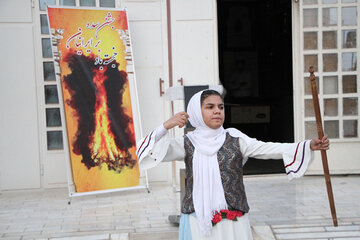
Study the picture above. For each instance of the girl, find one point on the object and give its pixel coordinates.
(215, 204)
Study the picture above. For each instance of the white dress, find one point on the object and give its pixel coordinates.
(156, 147)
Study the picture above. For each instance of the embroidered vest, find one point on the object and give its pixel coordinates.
(231, 171)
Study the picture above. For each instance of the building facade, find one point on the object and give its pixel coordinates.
(322, 33)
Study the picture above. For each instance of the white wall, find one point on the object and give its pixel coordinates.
(343, 158)
(19, 142)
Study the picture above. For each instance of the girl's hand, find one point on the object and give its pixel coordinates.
(180, 119)
(317, 144)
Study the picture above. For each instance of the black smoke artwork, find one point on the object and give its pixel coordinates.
(103, 134)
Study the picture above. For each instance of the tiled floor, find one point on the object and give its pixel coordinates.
(279, 210)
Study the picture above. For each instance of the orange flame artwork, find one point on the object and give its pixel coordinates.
(93, 52)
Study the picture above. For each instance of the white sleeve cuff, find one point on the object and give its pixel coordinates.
(298, 160)
(160, 132)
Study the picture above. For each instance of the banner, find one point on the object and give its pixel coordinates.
(93, 53)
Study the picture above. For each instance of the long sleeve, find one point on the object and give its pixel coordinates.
(296, 156)
(156, 147)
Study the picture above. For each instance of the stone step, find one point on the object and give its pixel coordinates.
(114, 236)
(316, 232)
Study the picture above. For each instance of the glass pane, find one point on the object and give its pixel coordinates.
(309, 2)
(107, 3)
(349, 61)
(310, 40)
(350, 128)
(307, 84)
(310, 60)
(67, 2)
(331, 107)
(53, 117)
(348, 16)
(330, 84)
(43, 3)
(310, 130)
(89, 3)
(349, 84)
(331, 128)
(350, 106)
(329, 16)
(49, 71)
(310, 17)
(329, 1)
(348, 1)
(51, 94)
(54, 140)
(349, 38)
(46, 48)
(329, 40)
(330, 62)
(309, 108)
(44, 24)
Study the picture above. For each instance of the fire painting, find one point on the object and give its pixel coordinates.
(93, 54)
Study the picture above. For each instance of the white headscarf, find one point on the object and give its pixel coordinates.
(208, 193)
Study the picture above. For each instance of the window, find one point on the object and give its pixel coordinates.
(329, 43)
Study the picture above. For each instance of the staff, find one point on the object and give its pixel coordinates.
(323, 152)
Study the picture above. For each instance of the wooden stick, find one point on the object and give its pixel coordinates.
(323, 152)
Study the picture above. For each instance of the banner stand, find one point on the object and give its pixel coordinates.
(56, 38)
(71, 194)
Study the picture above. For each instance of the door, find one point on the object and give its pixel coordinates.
(255, 58)
(51, 128)
(194, 50)
(149, 38)
(326, 36)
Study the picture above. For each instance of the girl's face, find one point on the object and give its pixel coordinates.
(212, 110)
